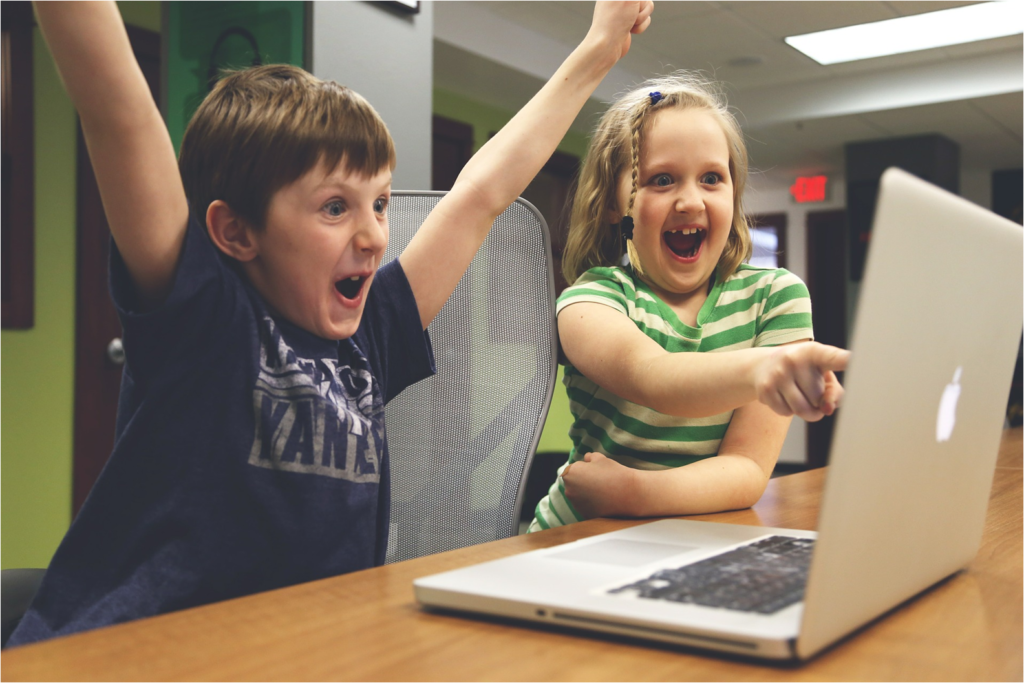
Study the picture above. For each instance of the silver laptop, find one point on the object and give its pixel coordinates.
(911, 466)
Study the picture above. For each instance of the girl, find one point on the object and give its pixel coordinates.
(663, 426)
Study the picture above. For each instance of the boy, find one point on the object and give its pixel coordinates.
(262, 336)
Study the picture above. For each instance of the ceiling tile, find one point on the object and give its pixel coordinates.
(986, 46)
(707, 40)
(781, 19)
(567, 22)
(489, 4)
(948, 118)
(710, 35)
(975, 125)
(905, 8)
(663, 9)
(1007, 110)
(809, 147)
(697, 44)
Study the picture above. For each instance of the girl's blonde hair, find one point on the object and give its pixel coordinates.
(615, 147)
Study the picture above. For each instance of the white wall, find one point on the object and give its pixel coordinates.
(387, 57)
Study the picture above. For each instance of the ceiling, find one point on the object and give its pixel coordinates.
(796, 113)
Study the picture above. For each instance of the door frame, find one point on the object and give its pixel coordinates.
(97, 378)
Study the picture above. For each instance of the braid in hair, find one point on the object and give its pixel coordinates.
(636, 126)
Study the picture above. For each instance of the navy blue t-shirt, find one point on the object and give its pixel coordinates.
(250, 454)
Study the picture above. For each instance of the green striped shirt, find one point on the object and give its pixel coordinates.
(753, 307)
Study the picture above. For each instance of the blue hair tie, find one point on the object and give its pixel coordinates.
(655, 97)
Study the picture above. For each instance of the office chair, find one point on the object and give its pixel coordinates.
(17, 588)
(461, 442)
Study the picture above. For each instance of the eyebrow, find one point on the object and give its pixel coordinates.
(650, 170)
(329, 184)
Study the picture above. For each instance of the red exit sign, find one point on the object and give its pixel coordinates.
(809, 189)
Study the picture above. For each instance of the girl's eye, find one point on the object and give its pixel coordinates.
(661, 180)
(335, 208)
(711, 179)
(381, 205)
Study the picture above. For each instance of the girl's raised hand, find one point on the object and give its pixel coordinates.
(616, 21)
(799, 379)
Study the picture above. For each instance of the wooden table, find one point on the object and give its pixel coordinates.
(367, 626)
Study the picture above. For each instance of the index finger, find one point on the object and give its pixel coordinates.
(832, 358)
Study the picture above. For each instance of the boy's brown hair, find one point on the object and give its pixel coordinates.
(264, 128)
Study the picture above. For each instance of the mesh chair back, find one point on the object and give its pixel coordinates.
(461, 442)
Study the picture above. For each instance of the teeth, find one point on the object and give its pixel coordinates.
(354, 278)
(687, 231)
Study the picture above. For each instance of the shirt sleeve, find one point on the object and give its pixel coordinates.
(786, 316)
(204, 298)
(605, 286)
(391, 333)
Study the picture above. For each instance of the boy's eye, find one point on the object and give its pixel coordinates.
(381, 205)
(335, 208)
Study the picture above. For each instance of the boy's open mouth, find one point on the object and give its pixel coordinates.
(350, 286)
(685, 242)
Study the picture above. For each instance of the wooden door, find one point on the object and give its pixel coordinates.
(551, 192)
(826, 281)
(452, 146)
(97, 372)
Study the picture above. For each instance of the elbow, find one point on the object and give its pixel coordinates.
(752, 490)
(745, 486)
(483, 199)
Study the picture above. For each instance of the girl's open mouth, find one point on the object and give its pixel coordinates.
(350, 287)
(685, 242)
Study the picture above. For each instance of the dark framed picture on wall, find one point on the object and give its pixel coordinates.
(411, 6)
(18, 227)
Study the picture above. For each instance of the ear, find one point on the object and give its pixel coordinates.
(612, 215)
(230, 232)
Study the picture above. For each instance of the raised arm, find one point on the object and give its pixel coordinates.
(444, 246)
(607, 347)
(128, 143)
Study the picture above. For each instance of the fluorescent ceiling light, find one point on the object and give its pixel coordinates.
(908, 34)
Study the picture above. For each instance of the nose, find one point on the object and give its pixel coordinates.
(689, 199)
(372, 235)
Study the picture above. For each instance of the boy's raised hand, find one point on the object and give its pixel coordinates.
(799, 379)
(129, 146)
(444, 246)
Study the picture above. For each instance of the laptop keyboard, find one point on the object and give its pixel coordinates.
(763, 577)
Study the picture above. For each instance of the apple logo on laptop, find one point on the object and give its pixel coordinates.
(947, 408)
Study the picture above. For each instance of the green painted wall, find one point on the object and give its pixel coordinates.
(37, 365)
(278, 26)
(555, 436)
(144, 14)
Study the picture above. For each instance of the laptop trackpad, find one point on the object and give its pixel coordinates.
(622, 552)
